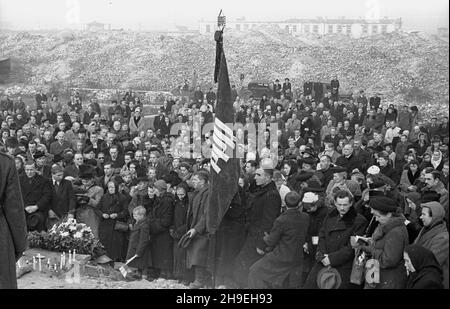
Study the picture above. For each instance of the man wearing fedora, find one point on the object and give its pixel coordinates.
(334, 256)
(13, 229)
(36, 194)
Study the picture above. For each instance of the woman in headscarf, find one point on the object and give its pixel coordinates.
(436, 160)
(434, 235)
(422, 267)
(113, 208)
(290, 168)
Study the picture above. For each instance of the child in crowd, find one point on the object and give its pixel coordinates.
(139, 243)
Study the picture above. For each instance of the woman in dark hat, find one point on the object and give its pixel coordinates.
(387, 244)
(113, 208)
(422, 267)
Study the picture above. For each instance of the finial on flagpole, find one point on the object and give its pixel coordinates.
(221, 20)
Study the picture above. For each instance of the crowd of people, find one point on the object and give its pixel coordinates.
(332, 170)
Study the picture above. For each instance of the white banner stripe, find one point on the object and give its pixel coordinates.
(224, 138)
(224, 127)
(219, 143)
(215, 167)
(219, 153)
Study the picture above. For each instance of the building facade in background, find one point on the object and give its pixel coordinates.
(319, 26)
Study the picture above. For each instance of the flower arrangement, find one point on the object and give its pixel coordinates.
(66, 236)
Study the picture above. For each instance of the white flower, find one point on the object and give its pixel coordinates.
(77, 235)
(65, 234)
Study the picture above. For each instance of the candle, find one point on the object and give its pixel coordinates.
(34, 263)
(73, 255)
(48, 263)
(61, 262)
(70, 258)
(40, 263)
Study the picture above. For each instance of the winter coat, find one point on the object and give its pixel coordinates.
(349, 163)
(13, 230)
(37, 191)
(136, 128)
(179, 228)
(160, 215)
(114, 241)
(435, 238)
(287, 237)
(264, 208)
(427, 274)
(139, 244)
(334, 240)
(388, 243)
(197, 251)
(88, 214)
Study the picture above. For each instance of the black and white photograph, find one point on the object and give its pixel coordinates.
(233, 147)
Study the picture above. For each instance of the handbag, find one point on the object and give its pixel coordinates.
(358, 267)
(121, 226)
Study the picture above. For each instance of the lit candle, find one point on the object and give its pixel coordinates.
(61, 262)
(40, 263)
(54, 266)
(73, 255)
(34, 263)
(64, 259)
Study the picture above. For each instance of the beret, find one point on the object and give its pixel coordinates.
(383, 204)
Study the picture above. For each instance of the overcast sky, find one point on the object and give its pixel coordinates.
(418, 14)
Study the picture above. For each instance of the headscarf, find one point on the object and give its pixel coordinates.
(422, 258)
(436, 163)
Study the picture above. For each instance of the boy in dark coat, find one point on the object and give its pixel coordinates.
(139, 243)
(284, 259)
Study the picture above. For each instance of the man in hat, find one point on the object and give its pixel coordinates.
(36, 194)
(13, 230)
(334, 247)
(283, 260)
(264, 208)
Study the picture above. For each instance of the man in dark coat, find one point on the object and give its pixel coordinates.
(37, 195)
(265, 207)
(13, 229)
(160, 216)
(63, 197)
(314, 205)
(348, 159)
(334, 248)
(197, 250)
(284, 259)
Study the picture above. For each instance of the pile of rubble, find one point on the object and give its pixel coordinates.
(398, 65)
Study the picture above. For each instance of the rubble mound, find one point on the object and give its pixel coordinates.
(404, 67)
